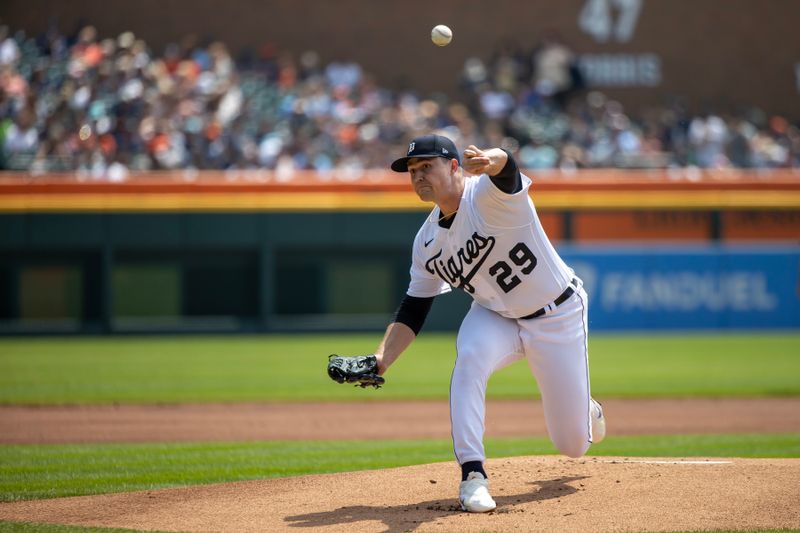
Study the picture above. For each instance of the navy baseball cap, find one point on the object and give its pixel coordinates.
(427, 146)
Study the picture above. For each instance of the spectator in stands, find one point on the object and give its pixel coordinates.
(555, 73)
(105, 108)
(21, 138)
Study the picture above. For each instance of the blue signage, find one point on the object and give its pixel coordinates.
(689, 287)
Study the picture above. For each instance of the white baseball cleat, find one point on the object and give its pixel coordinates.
(474, 494)
(598, 422)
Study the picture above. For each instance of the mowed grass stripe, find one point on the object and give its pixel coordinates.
(292, 368)
(49, 471)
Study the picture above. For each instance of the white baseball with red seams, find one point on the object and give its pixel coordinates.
(497, 251)
(441, 35)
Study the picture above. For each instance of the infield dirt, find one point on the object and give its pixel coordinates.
(386, 420)
(545, 494)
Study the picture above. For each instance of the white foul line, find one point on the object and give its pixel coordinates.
(672, 462)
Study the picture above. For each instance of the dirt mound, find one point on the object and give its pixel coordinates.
(533, 494)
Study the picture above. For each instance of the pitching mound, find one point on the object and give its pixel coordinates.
(532, 493)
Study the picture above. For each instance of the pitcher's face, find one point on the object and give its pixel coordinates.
(431, 177)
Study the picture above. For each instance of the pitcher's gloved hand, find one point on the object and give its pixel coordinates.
(359, 369)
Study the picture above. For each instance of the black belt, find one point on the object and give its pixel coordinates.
(569, 291)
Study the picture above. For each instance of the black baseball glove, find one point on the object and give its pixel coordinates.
(360, 369)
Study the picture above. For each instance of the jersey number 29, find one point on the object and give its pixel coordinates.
(521, 256)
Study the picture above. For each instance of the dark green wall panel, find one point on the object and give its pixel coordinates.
(62, 231)
(376, 229)
(208, 229)
(12, 230)
(308, 228)
(220, 230)
(257, 270)
(145, 230)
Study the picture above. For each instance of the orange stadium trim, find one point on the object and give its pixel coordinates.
(384, 201)
(379, 191)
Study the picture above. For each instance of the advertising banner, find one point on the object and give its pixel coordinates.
(689, 287)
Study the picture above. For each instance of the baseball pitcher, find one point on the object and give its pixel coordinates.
(485, 238)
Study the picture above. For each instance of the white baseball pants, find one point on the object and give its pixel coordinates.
(556, 348)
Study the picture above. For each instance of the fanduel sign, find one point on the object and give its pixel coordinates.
(690, 287)
(688, 291)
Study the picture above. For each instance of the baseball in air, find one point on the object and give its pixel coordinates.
(441, 35)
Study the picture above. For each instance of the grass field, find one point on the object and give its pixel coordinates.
(292, 368)
(49, 471)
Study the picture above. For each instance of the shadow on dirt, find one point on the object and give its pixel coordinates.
(399, 518)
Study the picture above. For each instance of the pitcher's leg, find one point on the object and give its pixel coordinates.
(557, 351)
(486, 342)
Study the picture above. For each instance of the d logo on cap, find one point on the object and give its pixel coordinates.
(427, 146)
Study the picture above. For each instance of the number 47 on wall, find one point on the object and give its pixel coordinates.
(597, 19)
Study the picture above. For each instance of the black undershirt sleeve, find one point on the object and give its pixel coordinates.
(508, 180)
(413, 311)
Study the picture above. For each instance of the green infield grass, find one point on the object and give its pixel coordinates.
(60, 370)
(49, 471)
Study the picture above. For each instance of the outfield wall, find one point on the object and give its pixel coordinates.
(163, 253)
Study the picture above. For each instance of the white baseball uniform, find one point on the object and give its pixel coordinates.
(497, 251)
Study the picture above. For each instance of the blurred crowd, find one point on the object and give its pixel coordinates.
(106, 107)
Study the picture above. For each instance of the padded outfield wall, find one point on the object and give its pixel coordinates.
(251, 254)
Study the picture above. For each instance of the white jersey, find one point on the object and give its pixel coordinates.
(496, 250)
